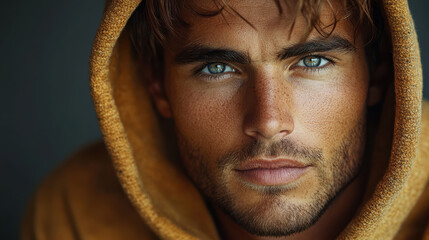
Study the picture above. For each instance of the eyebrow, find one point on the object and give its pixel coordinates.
(336, 43)
(200, 53)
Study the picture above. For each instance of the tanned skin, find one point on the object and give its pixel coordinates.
(271, 129)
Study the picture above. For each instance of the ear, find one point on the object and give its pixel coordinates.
(160, 99)
(380, 77)
(374, 93)
(155, 82)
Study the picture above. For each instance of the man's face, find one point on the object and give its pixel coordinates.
(270, 129)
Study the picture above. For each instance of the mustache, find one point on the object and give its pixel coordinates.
(283, 147)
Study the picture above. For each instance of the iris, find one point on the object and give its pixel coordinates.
(215, 68)
(312, 61)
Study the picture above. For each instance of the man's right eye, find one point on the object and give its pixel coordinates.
(217, 68)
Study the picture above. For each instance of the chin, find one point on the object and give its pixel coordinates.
(278, 210)
(274, 215)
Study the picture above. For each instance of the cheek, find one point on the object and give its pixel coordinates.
(329, 111)
(203, 117)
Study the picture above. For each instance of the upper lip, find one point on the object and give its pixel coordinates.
(269, 164)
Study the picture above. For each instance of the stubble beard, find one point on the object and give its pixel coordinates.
(274, 214)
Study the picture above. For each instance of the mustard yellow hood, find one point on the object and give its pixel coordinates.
(167, 200)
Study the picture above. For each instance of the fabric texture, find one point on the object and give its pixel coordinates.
(145, 195)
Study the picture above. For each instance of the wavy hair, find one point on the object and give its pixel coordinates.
(154, 20)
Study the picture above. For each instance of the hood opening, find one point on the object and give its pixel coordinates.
(167, 200)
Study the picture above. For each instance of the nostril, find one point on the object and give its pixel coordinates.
(253, 133)
(267, 134)
(284, 132)
(268, 128)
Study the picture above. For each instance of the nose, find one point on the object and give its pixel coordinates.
(268, 114)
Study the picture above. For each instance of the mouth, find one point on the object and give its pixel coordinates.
(275, 172)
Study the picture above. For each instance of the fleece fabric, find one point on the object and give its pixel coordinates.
(128, 187)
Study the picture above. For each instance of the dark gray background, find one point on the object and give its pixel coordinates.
(46, 108)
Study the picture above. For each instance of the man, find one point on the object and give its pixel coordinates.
(269, 119)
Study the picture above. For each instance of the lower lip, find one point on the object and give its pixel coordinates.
(272, 176)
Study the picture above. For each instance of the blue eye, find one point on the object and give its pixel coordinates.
(217, 68)
(312, 61)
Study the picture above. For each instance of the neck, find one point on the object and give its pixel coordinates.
(329, 226)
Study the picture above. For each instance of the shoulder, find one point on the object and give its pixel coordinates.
(422, 206)
(417, 221)
(83, 199)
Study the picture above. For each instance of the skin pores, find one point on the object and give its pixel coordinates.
(270, 128)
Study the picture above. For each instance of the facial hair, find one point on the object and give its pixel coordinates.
(274, 213)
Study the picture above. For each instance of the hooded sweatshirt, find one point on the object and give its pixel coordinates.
(127, 187)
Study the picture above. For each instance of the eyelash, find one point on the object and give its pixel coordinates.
(314, 69)
(213, 77)
(216, 77)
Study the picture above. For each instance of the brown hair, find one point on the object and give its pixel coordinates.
(154, 20)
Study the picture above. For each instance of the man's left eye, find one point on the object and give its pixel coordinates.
(312, 62)
(217, 68)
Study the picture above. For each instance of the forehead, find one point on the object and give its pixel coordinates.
(255, 22)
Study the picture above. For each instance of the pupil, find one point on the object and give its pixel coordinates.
(216, 68)
(312, 61)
